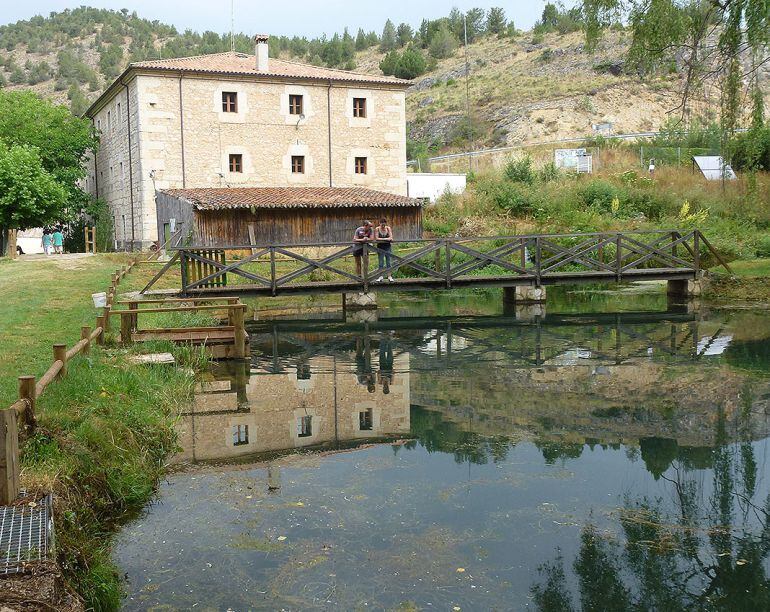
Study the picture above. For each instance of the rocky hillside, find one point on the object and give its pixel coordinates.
(525, 87)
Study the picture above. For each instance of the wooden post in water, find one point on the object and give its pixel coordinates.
(27, 393)
(239, 351)
(60, 354)
(85, 334)
(9, 457)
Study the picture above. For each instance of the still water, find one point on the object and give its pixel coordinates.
(608, 455)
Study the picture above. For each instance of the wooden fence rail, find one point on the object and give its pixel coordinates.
(30, 390)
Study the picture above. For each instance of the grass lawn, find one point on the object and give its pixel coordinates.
(751, 267)
(105, 430)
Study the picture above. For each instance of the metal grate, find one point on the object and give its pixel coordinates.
(26, 535)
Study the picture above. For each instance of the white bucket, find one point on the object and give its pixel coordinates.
(100, 299)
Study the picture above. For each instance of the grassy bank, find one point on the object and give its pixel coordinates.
(103, 431)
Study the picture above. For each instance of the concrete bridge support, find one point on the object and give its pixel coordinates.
(525, 302)
(359, 301)
(687, 289)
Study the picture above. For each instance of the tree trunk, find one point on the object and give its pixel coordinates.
(12, 253)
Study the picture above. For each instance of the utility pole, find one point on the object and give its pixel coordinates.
(232, 25)
(471, 139)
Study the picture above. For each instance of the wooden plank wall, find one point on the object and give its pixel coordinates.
(299, 225)
(170, 207)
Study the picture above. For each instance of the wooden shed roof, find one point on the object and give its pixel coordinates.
(290, 197)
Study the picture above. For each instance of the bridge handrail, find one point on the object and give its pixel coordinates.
(311, 245)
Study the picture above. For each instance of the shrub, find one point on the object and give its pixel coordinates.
(599, 194)
(520, 170)
(763, 246)
(510, 197)
(548, 173)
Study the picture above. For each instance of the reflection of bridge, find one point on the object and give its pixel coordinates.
(594, 339)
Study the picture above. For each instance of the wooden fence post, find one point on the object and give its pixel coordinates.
(125, 328)
(60, 354)
(85, 334)
(100, 323)
(134, 317)
(240, 332)
(27, 393)
(9, 457)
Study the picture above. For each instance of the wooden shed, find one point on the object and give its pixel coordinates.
(281, 215)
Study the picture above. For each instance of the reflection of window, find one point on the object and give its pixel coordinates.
(365, 420)
(360, 165)
(305, 426)
(298, 164)
(303, 371)
(236, 162)
(240, 435)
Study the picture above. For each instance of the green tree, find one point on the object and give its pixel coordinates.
(496, 22)
(667, 31)
(361, 43)
(62, 140)
(389, 40)
(411, 64)
(405, 34)
(78, 102)
(475, 19)
(30, 196)
(550, 17)
(389, 63)
(17, 76)
(443, 44)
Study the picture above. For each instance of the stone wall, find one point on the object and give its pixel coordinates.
(111, 171)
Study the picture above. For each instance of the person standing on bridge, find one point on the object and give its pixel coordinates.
(384, 235)
(361, 236)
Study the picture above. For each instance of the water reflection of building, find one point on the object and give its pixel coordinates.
(323, 401)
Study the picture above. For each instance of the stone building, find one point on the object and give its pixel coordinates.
(237, 120)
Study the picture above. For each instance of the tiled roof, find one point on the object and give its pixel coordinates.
(290, 197)
(231, 62)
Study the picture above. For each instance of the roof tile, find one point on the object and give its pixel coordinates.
(290, 197)
(231, 62)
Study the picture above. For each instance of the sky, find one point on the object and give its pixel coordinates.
(302, 17)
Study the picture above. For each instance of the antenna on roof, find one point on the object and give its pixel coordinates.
(232, 25)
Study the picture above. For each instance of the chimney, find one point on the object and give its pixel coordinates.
(260, 40)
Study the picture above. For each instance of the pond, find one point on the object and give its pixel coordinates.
(608, 454)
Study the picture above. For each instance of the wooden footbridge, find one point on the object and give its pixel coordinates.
(443, 263)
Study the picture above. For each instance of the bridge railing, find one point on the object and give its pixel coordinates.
(536, 259)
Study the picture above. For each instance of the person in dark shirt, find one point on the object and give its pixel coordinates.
(361, 236)
(384, 236)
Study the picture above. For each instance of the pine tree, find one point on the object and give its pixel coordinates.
(361, 43)
(496, 23)
(389, 40)
(389, 63)
(443, 43)
(404, 34)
